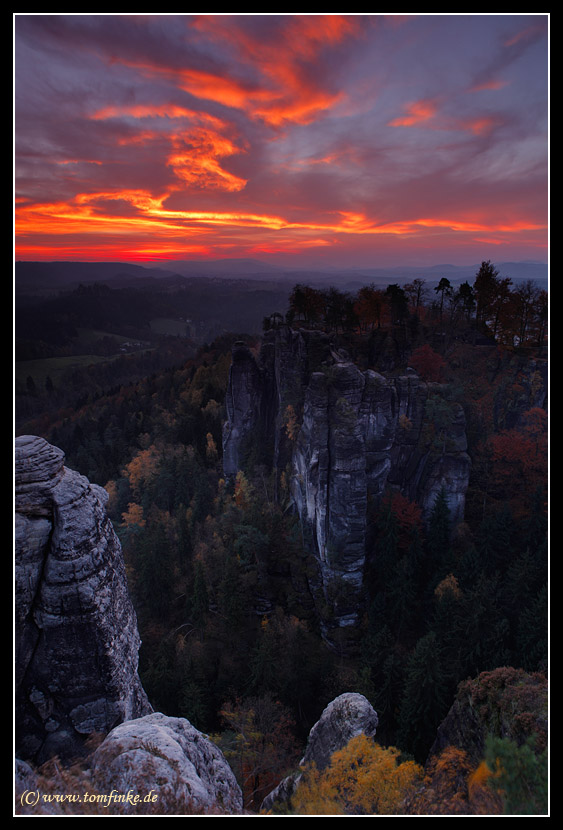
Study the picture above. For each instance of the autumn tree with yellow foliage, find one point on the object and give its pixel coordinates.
(363, 778)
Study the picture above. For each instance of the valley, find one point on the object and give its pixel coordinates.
(349, 495)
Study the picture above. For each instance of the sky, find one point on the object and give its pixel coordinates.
(336, 140)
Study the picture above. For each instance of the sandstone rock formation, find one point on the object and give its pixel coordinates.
(154, 765)
(505, 702)
(348, 715)
(77, 641)
(502, 703)
(359, 432)
(167, 757)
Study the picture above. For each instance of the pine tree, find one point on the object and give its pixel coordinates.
(391, 677)
(532, 634)
(263, 663)
(494, 539)
(485, 288)
(519, 775)
(154, 571)
(198, 604)
(385, 549)
(425, 702)
(484, 631)
(438, 540)
(444, 289)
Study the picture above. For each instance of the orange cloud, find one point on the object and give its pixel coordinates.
(195, 160)
(489, 85)
(88, 211)
(284, 92)
(480, 126)
(78, 161)
(196, 150)
(422, 114)
(136, 224)
(289, 100)
(489, 240)
(156, 111)
(418, 112)
(142, 137)
(525, 34)
(108, 251)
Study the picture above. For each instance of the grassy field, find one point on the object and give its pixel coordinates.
(88, 336)
(53, 367)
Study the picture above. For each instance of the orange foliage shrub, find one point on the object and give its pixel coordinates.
(452, 787)
(363, 778)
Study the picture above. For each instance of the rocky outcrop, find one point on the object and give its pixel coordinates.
(168, 758)
(505, 702)
(154, 765)
(77, 641)
(348, 715)
(356, 434)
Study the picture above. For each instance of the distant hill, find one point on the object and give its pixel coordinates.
(62, 274)
(223, 267)
(52, 275)
(517, 271)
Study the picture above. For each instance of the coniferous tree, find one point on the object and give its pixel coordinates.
(485, 288)
(193, 702)
(469, 568)
(398, 302)
(444, 289)
(483, 629)
(445, 623)
(532, 634)
(154, 583)
(198, 603)
(387, 694)
(438, 541)
(425, 699)
(466, 298)
(494, 539)
(519, 775)
(263, 664)
(385, 548)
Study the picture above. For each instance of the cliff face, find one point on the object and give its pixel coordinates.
(357, 433)
(76, 631)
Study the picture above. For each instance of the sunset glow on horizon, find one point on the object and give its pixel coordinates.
(348, 140)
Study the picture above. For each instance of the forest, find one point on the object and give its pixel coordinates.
(218, 568)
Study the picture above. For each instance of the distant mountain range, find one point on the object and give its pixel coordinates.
(62, 274)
